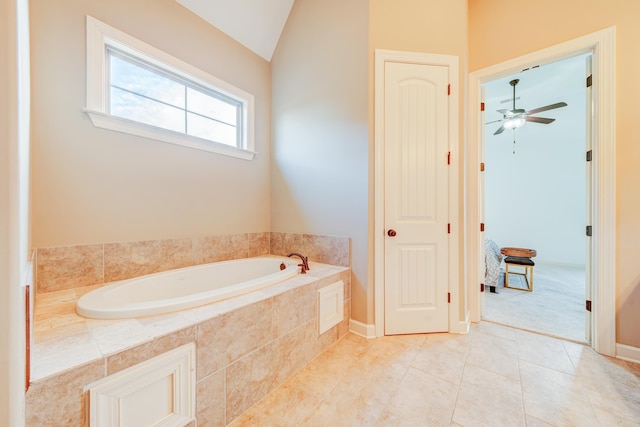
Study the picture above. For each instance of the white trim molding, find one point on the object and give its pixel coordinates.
(362, 329)
(627, 352)
(602, 45)
(100, 36)
(158, 391)
(451, 62)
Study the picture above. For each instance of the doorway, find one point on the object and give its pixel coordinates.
(535, 191)
(535, 196)
(602, 46)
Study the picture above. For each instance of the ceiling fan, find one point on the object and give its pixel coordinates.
(516, 117)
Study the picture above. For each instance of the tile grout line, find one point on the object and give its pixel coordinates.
(464, 366)
(406, 371)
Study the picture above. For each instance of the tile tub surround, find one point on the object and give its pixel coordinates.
(246, 347)
(71, 267)
(334, 250)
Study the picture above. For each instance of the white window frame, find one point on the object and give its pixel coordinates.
(100, 36)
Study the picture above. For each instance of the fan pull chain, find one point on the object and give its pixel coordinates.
(514, 141)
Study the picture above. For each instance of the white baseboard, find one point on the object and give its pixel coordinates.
(369, 331)
(462, 326)
(626, 352)
(362, 329)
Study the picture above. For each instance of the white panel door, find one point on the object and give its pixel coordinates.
(416, 198)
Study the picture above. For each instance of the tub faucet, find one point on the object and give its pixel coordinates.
(305, 262)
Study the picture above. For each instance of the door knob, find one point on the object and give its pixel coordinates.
(391, 233)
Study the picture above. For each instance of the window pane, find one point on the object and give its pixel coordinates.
(137, 79)
(212, 130)
(135, 107)
(212, 107)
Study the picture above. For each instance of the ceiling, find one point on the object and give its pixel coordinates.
(256, 24)
(539, 86)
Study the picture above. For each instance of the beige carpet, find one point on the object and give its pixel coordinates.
(555, 307)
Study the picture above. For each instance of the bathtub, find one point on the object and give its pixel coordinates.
(183, 288)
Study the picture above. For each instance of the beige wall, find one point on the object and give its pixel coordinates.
(320, 141)
(322, 167)
(497, 33)
(92, 185)
(428, 26)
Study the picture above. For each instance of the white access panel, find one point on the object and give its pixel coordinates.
(157, 392)
(330, 306)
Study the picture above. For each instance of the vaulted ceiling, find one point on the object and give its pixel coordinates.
(256, 24)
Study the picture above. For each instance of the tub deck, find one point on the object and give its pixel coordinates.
(63, 340)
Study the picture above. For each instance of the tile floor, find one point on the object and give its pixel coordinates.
(555, 307)
(494, 376)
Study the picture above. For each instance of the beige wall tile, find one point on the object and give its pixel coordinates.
(345, 276)
(343, 327)
(219, 248)
(332, 250)
(133, 259)
(60, 400)
(146, 351)
(312, 343)
(69, 267)
(275, 243)
(285, 243)
(250, 379)
(294, 308)
(210, 406)
(290, 354)
(226, 338)
(328, 338)
(258, 244)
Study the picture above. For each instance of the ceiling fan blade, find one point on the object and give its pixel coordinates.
(499, 131)
(495, 121)
(547, 107)
(503, 112)
(542, 120)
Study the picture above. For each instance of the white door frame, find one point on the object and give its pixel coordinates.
(602, 45)
(382, 56)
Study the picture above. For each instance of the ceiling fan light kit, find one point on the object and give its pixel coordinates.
(517, 117)
(514, 123)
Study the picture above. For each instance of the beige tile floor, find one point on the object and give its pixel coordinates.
(494, 376)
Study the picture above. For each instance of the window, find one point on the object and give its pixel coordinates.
(137, 89)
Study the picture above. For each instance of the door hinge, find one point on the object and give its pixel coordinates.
(449, 228)
(588, 307)
(449, 297)
(481, 287)
(449, 157)
(589, 80)
(482, 167)
(482, 226)
(589, 155)
(449, 89)
(589, 230)
(482, 106)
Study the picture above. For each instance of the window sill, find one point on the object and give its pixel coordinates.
(106, 121)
